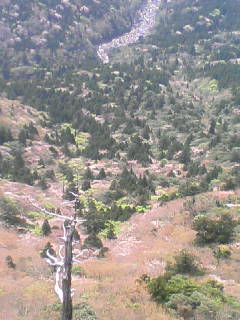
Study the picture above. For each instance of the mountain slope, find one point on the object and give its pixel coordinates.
(43, 34)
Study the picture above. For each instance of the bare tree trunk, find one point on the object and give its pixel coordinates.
(63, 263)
(67, 278)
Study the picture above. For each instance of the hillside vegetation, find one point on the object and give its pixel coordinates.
(36, 35)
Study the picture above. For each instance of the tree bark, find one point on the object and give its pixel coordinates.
(67, 278)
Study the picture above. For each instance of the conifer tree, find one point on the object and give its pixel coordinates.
(102, 174)
(88, 175)
(86, 185)
(46, 228)
(10, 263)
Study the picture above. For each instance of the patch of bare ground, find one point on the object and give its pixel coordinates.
(36, 151)
(15, 114)
(28, 195)
(110, 166)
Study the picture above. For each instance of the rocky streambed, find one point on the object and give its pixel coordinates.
(144, 22)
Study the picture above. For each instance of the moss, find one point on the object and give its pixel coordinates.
(35, 214)
(143, 209)
(36, 230)
(48, 205)
(115, 226)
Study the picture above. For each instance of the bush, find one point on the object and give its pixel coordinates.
(190, 188)
(102, 252)
(235, 155)
(165, 197)
(10, 263)
(162, 287)
(46, 228)
(93, 241)
(185, 263)
(192, 301)
(222, 252)
(9, 211)
(86, 185)
(83, 312)
(111, 229)
(219, 230)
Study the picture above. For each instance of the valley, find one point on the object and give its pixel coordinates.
(143, 23)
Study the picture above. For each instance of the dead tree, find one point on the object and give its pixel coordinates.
(64, 260)
(63, 264)
(67, 271)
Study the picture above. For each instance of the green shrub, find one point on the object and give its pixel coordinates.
(192, 301)
(46, 228)
(36, 230)
(10, 263)
(218, 230)
(190, 188)
(9, 211)
(35, 215)
(112, 228)
(83, 312)
(162, 287)
(185, 263)
(93, 241)
(222, 252)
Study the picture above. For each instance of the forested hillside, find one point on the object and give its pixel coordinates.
(37, 35)
(151, 143)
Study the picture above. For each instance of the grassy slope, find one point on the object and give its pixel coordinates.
(145, 244)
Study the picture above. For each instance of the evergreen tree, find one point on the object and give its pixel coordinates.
(42, 183)
(22, 137)
(93, 241)
(88, 175)
(185, 156)
(46, 228)
(111, 231)
(10, 263)
(212, 129)
(146, 132)
(86, 185)
(5, 135)
(101, 175)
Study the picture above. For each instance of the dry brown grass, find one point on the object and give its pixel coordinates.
(145, 244)
(25, 291)
(116, 294)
